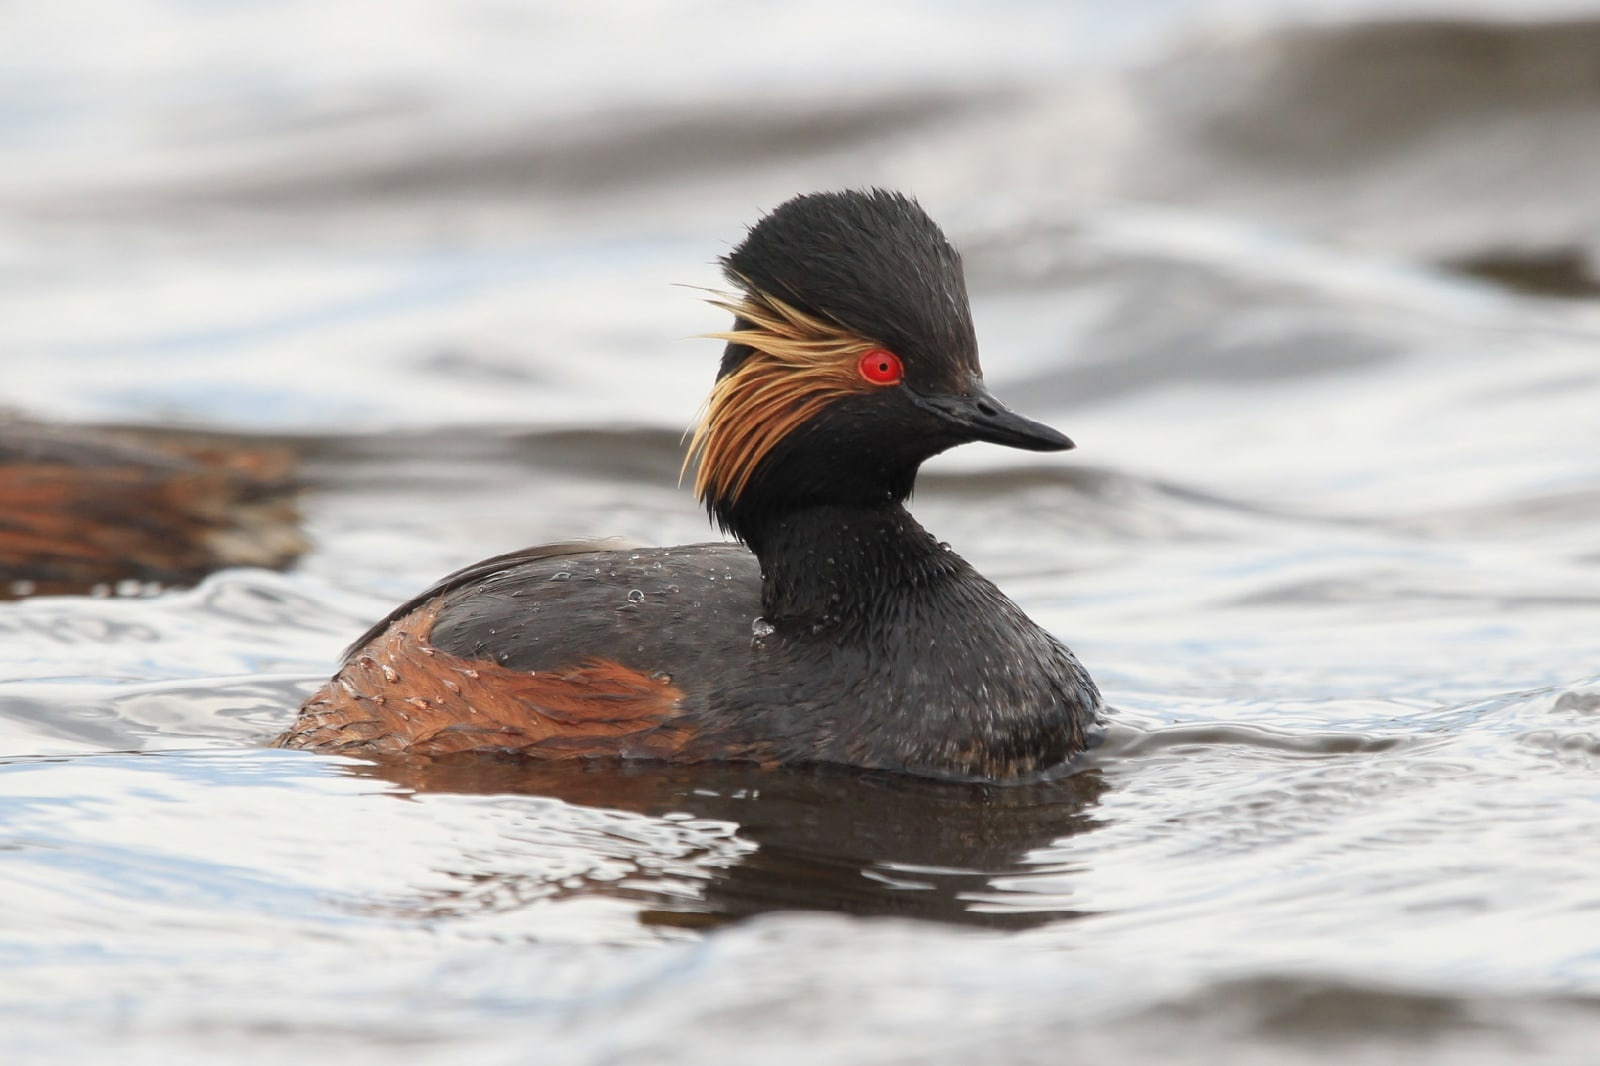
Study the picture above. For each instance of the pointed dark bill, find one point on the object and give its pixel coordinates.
(982, 417)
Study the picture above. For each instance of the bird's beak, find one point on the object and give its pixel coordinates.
(979, 416)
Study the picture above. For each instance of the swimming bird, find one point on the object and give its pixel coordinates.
(85, 509)
(836, 631)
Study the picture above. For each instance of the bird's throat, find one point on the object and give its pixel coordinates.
(845, 566)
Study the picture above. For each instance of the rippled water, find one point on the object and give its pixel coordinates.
(1301, 288)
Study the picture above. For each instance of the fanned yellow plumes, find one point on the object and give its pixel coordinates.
(800, 364)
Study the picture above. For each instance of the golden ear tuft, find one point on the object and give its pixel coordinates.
(799, 364)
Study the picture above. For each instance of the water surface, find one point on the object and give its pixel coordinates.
(1328, 544)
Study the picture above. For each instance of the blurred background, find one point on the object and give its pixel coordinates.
(1312, 283)
(303, 216)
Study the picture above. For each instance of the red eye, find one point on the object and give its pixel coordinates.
(881, 367)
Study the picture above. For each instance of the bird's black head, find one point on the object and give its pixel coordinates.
(852, 360)
(872, 263)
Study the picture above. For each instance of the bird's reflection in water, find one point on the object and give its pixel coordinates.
(845, 841)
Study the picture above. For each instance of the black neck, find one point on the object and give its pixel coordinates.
(843, 565)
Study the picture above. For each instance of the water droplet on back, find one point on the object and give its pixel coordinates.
(560, 575)
(635, 596)
(762, 628)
